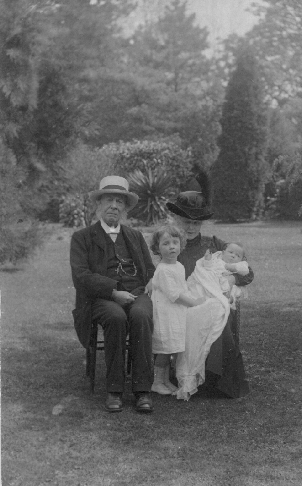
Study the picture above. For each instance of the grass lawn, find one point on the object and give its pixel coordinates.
(54, 432)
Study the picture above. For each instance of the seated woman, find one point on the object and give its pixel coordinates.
(224, 365)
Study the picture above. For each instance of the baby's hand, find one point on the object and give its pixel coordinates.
(208, 255)
(230, 267)
(199, 301)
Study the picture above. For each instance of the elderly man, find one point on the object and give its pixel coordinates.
(111, 266)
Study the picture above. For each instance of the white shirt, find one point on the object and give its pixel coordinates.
(112, 232)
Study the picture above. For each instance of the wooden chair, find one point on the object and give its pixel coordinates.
(97, 344)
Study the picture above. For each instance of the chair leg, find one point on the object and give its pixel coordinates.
(88, 361)
(129, 360)
(92, 361)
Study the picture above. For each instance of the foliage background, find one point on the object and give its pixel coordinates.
(84, 92)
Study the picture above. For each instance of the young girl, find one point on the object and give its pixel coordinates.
(170, 301)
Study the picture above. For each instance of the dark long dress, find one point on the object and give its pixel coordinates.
(224, 361)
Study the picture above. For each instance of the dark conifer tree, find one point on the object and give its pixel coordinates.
(239, 173)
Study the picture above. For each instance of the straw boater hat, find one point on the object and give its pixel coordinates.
(115, 185)
(194, 204)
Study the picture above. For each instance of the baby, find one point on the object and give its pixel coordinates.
(225, 263)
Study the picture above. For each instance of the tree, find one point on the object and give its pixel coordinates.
(36, 114)
(174, 46)
(19, 81)
(239, 172)
(89, 51)
(24, 173)
(277, 40)
(277, 43)
(172, 88)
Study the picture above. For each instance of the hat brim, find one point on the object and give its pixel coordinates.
(131, 198)
(194, 214)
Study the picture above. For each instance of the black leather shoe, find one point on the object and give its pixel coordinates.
(114, 402)
(143, 402)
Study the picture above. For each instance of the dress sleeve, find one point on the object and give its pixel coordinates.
(168, 283)
(242, 280)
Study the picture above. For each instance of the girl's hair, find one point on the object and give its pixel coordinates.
(172, 231)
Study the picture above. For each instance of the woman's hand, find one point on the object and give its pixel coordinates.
(231, 280)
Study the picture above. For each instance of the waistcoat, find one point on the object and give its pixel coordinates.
(120, 266)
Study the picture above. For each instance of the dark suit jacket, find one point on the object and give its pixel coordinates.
(88, 260)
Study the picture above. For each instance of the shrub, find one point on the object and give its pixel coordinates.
(288, 203)
(152, 187)
(126, 157)
(72, 211)
(20, 241)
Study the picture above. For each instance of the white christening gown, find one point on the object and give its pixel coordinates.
(205, 324)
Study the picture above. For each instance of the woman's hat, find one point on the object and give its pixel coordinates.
(194, 204)
(115, 185)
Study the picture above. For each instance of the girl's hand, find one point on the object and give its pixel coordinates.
(148, 288)
(208, 255)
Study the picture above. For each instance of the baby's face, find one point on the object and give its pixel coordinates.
(232, 254)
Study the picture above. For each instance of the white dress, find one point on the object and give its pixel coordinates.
(205, 324)
(169, 318)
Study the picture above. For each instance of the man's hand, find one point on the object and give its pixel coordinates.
(148, 288)
(122, 297)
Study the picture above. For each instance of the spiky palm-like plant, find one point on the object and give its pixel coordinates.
(152, 187)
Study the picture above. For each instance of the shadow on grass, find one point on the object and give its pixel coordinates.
(11, 269)
(49, 366)
(183, 439)
(43, 369)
